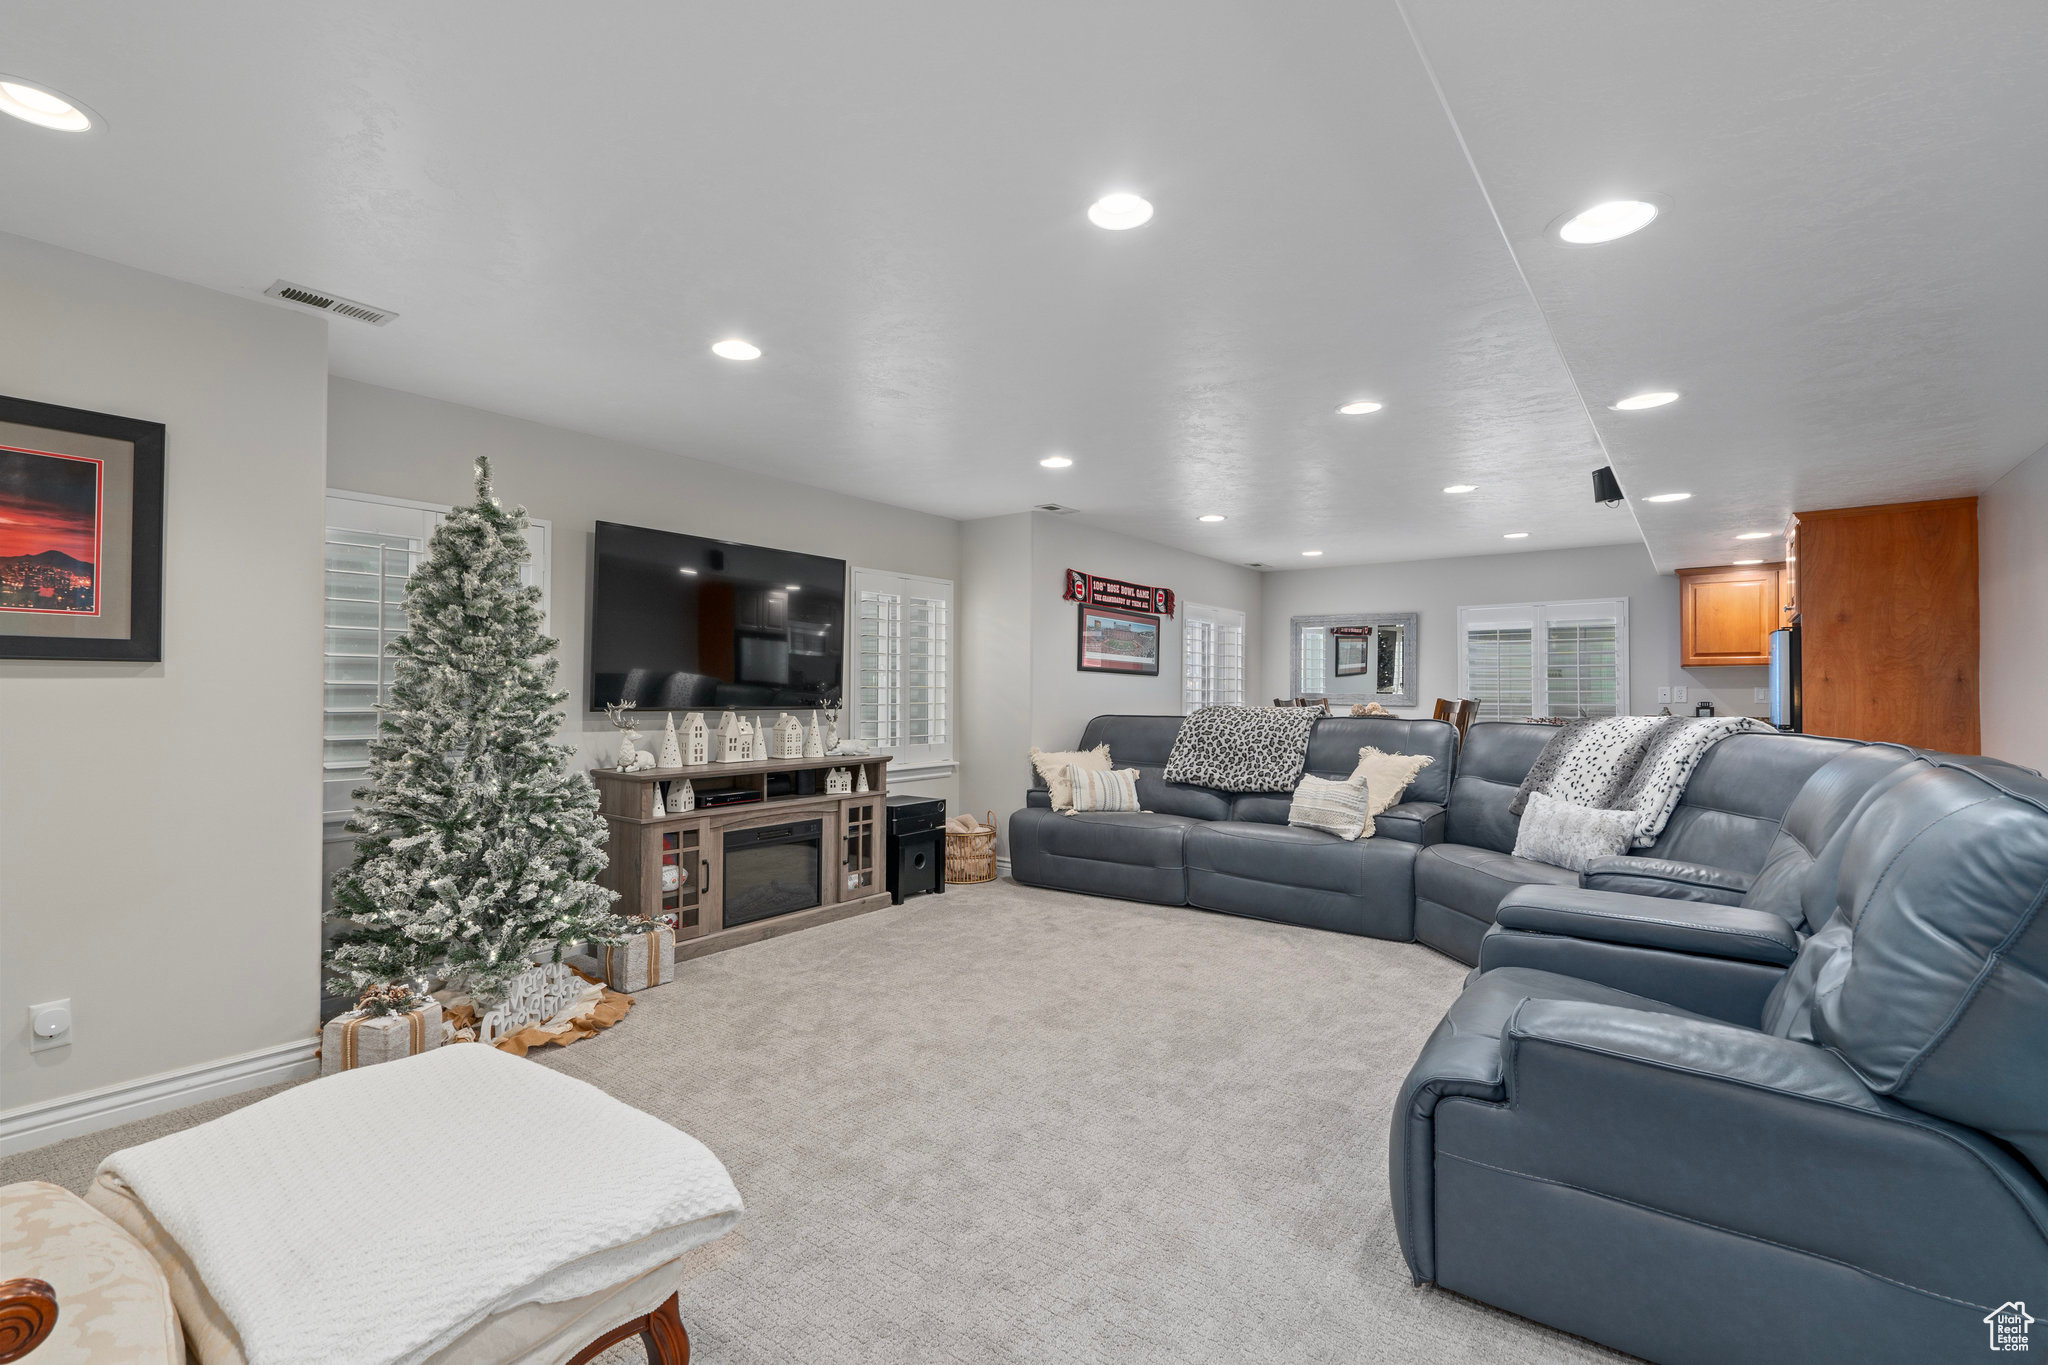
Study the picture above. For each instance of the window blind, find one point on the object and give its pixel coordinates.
(1552, 659)
(1212, 654)
(903, 664)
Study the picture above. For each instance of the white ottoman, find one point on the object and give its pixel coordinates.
(461, 1207)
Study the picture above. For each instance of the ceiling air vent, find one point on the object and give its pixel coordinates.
(329, 303)
(1055, 509)
(1255, 565)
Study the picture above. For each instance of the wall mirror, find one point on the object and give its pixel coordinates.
(1355, 658)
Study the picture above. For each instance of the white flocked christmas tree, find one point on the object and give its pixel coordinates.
(476, 844)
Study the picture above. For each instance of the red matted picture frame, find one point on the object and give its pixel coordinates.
(1113, 640)
(81, 534)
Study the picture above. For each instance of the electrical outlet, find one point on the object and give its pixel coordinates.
(49, 1025)
(1678, 695)
(1762, 694)
(1664, 695)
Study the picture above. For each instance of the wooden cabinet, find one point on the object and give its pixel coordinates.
(1887, 606)
(1726, 615)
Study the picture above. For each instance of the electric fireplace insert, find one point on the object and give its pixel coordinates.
(772, 870)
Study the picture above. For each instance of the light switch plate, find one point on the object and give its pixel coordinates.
(1762, 694)
(1678, 695)
(1664, 695)
(37, 1042)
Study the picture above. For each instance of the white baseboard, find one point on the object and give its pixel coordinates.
(1002, 867)
(38, 1125)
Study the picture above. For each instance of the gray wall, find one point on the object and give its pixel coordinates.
(1436, 588)
(2012, 535)
(402, 445)
(1062, 697)
(995, 662)
(1020, 687)
(160, 823)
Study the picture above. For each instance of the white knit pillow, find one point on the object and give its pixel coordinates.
(1114, 789)
(1568, 836)
(1053, 767)
(1334, 807)
(1387, 776)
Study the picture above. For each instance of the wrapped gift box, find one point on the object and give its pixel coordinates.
(640, 960)
(360, 1039)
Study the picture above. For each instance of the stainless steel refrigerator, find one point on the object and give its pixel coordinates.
(1785, 678)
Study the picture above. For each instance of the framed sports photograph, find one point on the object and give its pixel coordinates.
(81, 534)
(1113, 640)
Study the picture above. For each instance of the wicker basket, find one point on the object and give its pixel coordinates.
(971, 858)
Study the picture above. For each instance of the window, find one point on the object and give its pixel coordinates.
(1212, 655)
(373, 544)
(903, 664)
(1525, 659)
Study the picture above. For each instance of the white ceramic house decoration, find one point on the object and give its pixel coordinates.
(787, 740)
(671, 751)
(695, 740)
(814, 743)
(838, 783)
(734, 740)
(680, 801)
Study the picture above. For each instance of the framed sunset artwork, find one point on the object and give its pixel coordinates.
(81, 534)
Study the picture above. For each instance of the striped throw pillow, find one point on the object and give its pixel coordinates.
(1332, 806)
(1115, 789)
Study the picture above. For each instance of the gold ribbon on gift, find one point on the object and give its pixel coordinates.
(416, 1018)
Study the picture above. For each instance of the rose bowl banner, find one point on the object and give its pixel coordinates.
(1096, 591)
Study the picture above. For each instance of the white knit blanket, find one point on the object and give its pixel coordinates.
(372, 1217)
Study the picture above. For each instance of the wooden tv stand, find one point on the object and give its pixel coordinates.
(850, 875)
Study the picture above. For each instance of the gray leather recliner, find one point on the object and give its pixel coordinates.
(1708, 939)
(1853, 1175)
(1726, 819)
(1234, 851)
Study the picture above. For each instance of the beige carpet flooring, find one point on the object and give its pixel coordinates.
(1006, 1124)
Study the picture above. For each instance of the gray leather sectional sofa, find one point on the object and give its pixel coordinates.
(1775, 1089)
(1809, 1126)
(1236, 852)
(1437, 865)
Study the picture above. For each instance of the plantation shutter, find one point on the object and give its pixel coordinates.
(372, 546)
(1547, 659)
(1212, 652)
(1580, 667)
(903, 664)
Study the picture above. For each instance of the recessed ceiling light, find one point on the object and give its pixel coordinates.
(1667, 497)
(43, 108)
(793, 587)
(1608, 221)
(1461, 488)
(732, 348)
(1516, 535)
(1055, 462)
(1360, 408)
(690, 571)
(1310, 554)
(1210, 517)
(1749, 561)
(1638, 402)
(1120, 211)
(1756, 535)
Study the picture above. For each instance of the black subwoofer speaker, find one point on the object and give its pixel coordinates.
(917, 846)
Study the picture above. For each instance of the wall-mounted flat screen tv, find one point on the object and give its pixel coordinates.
(686, 623)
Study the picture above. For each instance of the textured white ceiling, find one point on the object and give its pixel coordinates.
(1850, 287)
(567, 204)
